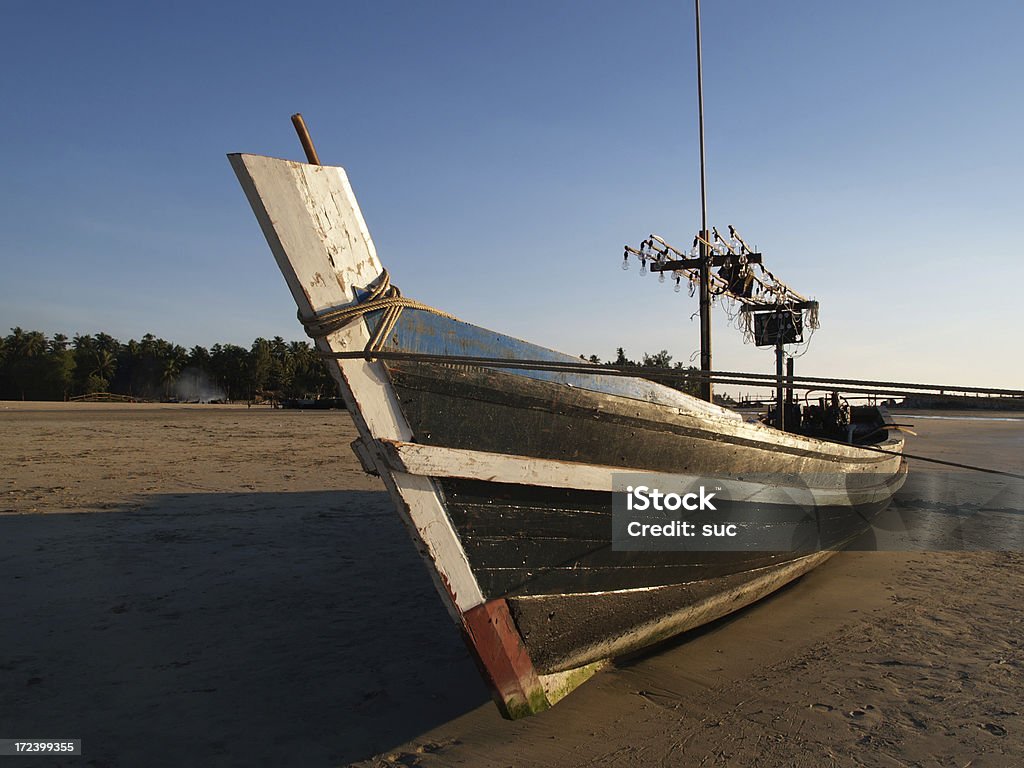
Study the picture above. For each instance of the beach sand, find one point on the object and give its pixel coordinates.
(214, 585)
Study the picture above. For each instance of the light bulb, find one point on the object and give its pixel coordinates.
(625, 264)
(661, 277)
(643, 267)
(676, 289)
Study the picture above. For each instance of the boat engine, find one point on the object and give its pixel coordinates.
(828, 418)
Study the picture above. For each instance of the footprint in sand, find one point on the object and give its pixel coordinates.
(995, 730)
(866, 716)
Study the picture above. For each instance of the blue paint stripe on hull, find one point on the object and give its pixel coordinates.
(426, 333)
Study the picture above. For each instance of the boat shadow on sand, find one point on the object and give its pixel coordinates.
(286, 628)
(257, 628)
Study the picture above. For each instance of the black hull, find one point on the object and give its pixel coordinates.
(548, 552)
(528, 540)
(565, 632)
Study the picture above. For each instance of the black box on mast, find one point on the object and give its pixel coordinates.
(768, 326)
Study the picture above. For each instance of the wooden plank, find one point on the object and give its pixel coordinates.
(316, 231)
(440, 461)
(437, 461)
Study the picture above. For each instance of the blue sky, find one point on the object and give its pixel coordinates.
(503, 153)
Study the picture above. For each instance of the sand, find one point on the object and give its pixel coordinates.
(208, 585)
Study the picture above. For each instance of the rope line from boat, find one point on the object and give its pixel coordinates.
(929, 459)
(640, 372)
(385, 296)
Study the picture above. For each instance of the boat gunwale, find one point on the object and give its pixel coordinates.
(731, 430)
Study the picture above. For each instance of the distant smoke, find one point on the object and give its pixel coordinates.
(194, 385)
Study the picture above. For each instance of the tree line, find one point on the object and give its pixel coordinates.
(36, 367)
(660, 359)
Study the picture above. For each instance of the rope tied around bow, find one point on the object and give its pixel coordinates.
(384, 296)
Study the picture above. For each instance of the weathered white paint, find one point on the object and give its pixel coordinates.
(438, 461)
(316, 231)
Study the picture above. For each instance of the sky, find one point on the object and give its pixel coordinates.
(503, 153)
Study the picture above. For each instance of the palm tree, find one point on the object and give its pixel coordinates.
(262, 361)
(148, 342)
(107, 342)
(199, 357)
(16, 339)
(26, 343)
(59, 343)
(83, 342)
(24, 361)
(105, 365)
(278, 348)
(170, 375)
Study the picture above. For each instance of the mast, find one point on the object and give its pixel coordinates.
(763, 297)
(705, 266)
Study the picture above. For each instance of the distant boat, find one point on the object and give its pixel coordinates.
(504, 474)
(313, 403)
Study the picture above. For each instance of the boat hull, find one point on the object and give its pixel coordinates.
(505, 478)
(547, 550)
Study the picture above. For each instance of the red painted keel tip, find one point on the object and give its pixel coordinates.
(495, 641)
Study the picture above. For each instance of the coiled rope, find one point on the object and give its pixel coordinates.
(385, 296)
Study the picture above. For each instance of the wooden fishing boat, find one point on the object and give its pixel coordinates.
(504, 470)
